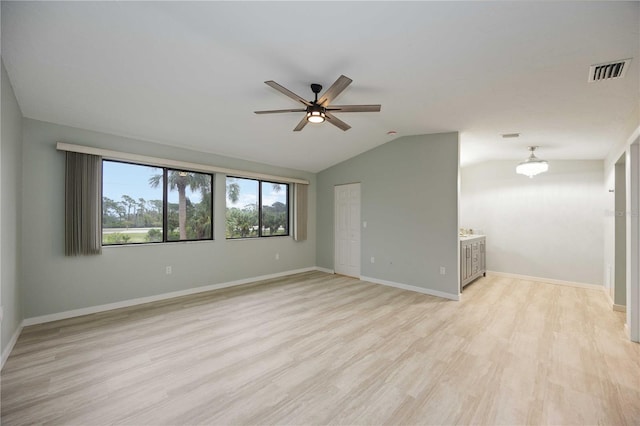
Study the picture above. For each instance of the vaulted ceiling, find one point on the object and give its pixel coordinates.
(190, 74)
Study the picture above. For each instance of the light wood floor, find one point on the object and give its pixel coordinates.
(315, 348)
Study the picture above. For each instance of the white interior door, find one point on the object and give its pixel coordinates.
(347, 230)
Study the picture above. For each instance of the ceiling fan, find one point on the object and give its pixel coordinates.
(319, 110)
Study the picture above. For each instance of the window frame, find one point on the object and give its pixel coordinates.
(165, 203)
(260, 182)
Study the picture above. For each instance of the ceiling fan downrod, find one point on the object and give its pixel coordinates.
(316, 88)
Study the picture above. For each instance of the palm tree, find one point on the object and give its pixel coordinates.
(233, 190)
(180, 180)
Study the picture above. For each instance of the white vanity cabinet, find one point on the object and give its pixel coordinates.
(473, 261)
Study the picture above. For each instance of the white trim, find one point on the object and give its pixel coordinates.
(546, 280)
(412, 288)
(7, 350)
(627, 332)
(155, 161)
(620, 149)
(141, 300)
(328, 271)
(617, 308)
(632, 160)
(608, 296)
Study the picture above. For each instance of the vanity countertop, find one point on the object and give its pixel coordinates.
(470, 237)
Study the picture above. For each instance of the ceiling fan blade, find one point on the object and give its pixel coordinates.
(336, 88)
(301, 124)
(355, 108)
(277, 111)
(337, 122)
(287, 92)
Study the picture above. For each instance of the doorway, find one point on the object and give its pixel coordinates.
(347, 229)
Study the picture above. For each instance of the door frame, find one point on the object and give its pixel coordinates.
(633, 239)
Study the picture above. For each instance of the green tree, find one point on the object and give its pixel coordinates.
(242, 223)
(274, 217)
(233, 189)
(180, 181)
(141, 212)
(156, 212)
(129, 203)
(113, 213)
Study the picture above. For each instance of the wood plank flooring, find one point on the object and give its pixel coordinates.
(315, 348)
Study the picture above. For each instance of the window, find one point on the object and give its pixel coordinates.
(256, 208)
(146, 204)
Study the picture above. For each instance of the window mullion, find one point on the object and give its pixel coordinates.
(259, 208)
(165, 205)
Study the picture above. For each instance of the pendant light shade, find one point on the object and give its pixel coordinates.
(532, 165)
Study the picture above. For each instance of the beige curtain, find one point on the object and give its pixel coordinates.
(300, 212)
(83, 215)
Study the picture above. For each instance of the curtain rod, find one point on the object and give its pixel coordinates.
(163, 162)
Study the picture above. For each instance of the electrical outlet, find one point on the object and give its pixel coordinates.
(442, 270)
(277, 256)
(168, 270)
(1, 313)
(364, 224)
(373, 259)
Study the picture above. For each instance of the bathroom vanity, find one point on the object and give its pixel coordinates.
(473, 262)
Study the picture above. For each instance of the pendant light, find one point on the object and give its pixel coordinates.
(532, 165)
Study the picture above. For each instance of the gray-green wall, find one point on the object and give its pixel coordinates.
(10, 179)
(53, 283)
(409, 199)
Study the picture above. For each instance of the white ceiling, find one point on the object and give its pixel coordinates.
(191, 74)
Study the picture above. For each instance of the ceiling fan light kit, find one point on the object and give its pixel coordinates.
(533, 165)
(319, 110)
(316, 116)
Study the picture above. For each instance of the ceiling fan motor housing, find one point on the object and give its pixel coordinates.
(316, 88)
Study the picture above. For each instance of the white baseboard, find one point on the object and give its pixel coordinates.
(412, 288)
(627, 331)
(7, 351)
(141, 300)
(546, 280)
(328, 271)
(608, 296)
(619, 308)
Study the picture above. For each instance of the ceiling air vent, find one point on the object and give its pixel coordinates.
(608, 71)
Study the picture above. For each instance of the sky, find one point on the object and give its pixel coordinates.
(133, 180)
(249, 194)
(129, 179)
